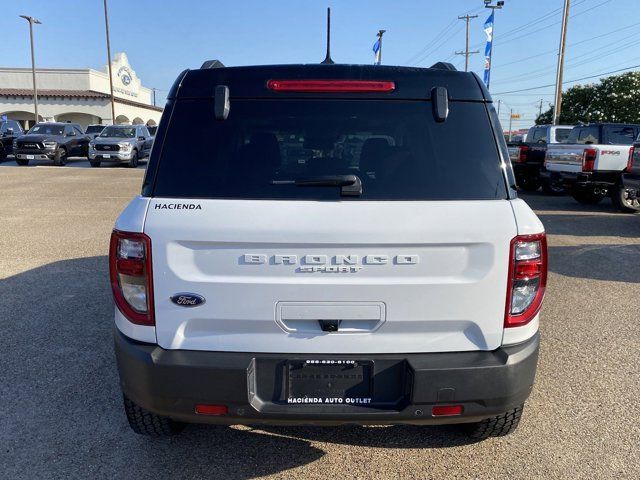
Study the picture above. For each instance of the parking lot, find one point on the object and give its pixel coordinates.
(61, 405)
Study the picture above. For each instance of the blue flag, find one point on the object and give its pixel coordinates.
(377, 52)
(488, 29)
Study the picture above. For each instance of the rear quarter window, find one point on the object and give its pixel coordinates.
(395, 147)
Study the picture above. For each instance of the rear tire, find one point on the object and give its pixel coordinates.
(497, 426)
(22, 162)
(144, 422)
(622, 201)
(553, 189)
(529, 184)
(586, 196)
(94, 163)
(60, 158)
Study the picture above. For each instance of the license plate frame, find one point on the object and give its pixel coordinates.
(106, 156)
(329, 382)
(31, 157)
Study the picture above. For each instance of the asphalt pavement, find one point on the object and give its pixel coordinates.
(60, 406)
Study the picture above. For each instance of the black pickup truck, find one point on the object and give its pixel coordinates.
(528, 157)
(9, 131)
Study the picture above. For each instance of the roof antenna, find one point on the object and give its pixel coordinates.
(327, 60)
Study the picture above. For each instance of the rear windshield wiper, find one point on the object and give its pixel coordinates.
(350, 185)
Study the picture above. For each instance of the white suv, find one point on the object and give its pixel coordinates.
(327, 244)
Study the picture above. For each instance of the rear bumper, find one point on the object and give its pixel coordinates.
(581, 179)
(253, 387)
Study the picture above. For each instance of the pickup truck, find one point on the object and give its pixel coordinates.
(527, 156)
(631, 175)
(591, 164)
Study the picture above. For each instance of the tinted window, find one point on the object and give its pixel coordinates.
(69, 131)
(583, 135)
(78, 130)
(395, 147)
(562, 134)
(94, 128)
(619, 135)
(539, 135)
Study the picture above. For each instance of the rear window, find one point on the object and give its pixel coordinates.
(562, 134)
(584, 135)
(620, 135)
(539, 135)
(395, 147)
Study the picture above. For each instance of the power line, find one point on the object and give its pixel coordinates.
(570, 81)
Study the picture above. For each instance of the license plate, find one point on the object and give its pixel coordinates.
(30, 157)
(106, 156)
(329, 382)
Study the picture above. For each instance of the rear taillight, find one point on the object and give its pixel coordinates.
(131, 276)
(527, 279)
(630, 160)
(522, 153)
(588, 159)
(328, 86)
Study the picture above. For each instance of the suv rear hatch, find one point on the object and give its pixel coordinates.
(416, 263)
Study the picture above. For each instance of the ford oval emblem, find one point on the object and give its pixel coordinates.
(187, 299)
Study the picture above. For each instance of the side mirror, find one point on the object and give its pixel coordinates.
(142, 139)
(8, 132)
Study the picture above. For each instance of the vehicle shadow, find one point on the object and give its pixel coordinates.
(62, 407)
(540, 202)
(72, 162)
(597, 262)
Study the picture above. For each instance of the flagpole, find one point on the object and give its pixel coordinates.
(497, 6)
(379, 54)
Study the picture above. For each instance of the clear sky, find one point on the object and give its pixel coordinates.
(164, 37)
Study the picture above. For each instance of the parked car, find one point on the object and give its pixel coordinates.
(94, 130)
(9, 131)
(400, 287)
(631, 175)
(527, 156)
(591, 163)
(51, 141)
(120, 144)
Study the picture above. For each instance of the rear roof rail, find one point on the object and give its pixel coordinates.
(212, 64)
(443, 66)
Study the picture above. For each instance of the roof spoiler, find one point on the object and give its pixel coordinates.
(443, 66)
(212, 64)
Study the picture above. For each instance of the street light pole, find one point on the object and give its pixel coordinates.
(113, 102)
(563, 37)
(31, 21)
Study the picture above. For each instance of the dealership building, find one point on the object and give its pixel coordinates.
(78, 95)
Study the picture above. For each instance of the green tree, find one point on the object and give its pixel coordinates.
(614, 99)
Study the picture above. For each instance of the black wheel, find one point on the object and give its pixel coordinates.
(94, 163)
(529, 184)
(497, 426)
(22, 162)
(554, 189)
(586, 196)
(60, 158)
(625, 200)
(144, 422)
(133, 163)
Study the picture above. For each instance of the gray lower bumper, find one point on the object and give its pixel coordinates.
(405, 387)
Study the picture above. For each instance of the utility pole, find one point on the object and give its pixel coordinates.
(113, 101)
(499, 102)
(31, 21)
(154, 96)
(466, 52)
(563, 38)
(540, 109)
(510, 120)
(487, 4)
